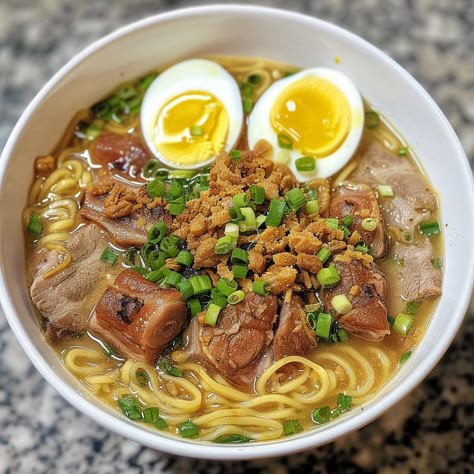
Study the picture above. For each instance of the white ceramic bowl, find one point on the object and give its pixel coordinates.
(251, 31)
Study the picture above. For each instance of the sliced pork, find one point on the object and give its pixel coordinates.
(137, 317)
(66, 298)
(294, 335)
(367, 289)
(360, 202)
(413, 201)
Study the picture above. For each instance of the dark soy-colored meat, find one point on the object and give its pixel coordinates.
(64, 298)
(122, 154)
(242, 335)
(368, 318)
(360, 201)
(137, 317)
(294, 335)
(413, 200)
(130, 230)
(413, 277)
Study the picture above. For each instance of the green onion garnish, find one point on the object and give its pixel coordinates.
(240, 200)
(362, 248)
(236, 297)
(34, 224)
(130, 407)
(181, 174)
(232, 439)
(232, 230)
(235, 214)
(332, 223)
(254, 79)
(323, 325)
(405, 356)
(218, 298)
(247, 104)
(322, 415)
(93, 131)
(275, 213)
(188, 429)
(201, 284)
(156, 188)
(257, 194)
(176, 208)
(109, 256)
(342, 335)
(157, 275)
(341, 304)
(194, 306)
(169, 245)
(212, 314)
(347, 221)
(186, 289)
(260, 287)
(344, 402)
(166, 366)
(225, 244)
(185, 258)
(176, 189)
(284, 141)
(235, 155)
(403, 323)
(239, 256)
(157, 232)
(246, 90)
(249, 222)
(150, 168)
(136, 268)
(151, 415)
(305, 164)
(385, 190)
(240, 271)
(369, 224)
(412, 307)
(173, 278)
(196, 131)
(295, 199)
(430, 228)
(291, 427)
(436, 263)
(260, 220)
(312, 206)
(328, 277)
(390, 321)
(146, 81)
(226, 286)
(403, 151)
(324, 254)
(372, 119)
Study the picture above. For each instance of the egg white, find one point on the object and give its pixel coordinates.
(260, 127)
(192, 75)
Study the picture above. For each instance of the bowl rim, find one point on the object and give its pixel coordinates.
(198, 449)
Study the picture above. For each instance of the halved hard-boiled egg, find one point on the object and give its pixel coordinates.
(190, 113)
(313, 120)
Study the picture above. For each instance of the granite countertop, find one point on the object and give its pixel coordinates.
(431, 430)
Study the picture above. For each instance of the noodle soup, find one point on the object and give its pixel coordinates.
(246, 299)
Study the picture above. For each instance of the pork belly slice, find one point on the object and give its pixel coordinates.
(360, 201)
(293, 335)
(413, 201)
(66, 298)
(368, 289)
(129, 230)
(137, 317)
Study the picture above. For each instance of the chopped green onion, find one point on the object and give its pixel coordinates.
(188, 429)
(126, 91)
(324, 254)
(232, 229)
(328, 277)
(341, 304)
(260, 287)
(246, 90)
(218, 298)
(235, 155)
(372, 119)
(295, 199)
(136, 268)
(212, 314)
(312, 319)
(156, 188)
(169, 245)
(332, 223)
(201, 284)
(247, 104)
(225, 244)
(196, 131)
(323, 325)
(176, 189)
(257, 194)
(344, 402)
(166, 366)
(348, 220)
(346, 231)
(109, 256)
(430, 228)
(194, 306)
(240, 271)
(405, 356)
(403, 323)
(322, 415)
(186, 289)
(185, 258)
(291, 427)
(240, 200)
(249, 221)
(275, 213)
(93, 131)
(157, 232)
(369, 224)
(34, 224)
(181, 174)
(390, 321)
(235, 214)
(236, 297)
(151, 415)
(305, 164)
(161, 173)
(412, 307)
(239, 256)
(342, 335)
(150, 168)
(385, 190)
(336, 413)
(226, 286)
(146, 81)
(254, 79)
(232, 439)
(156, 263)
(312, 206)
(173, 278)
(362, 248)
(130, 407)
(260, 220)
(284, 141)
(157, 275)
(436, 263)
(403, 151)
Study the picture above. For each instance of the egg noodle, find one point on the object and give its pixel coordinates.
(218, 408)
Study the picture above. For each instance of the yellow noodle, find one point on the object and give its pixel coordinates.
(35, 190)
(82, 361)
(52, 238)
(66, 185)
(62, 225)
(53, 178)
(76, 167)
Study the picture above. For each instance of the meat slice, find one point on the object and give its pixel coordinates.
(127, 221)
(411, 272)
(243, 333)
(66, 298)
(360, 201)
(413, 201)
(294, 335)
(138, 317)
(368, 290)
(125, 155)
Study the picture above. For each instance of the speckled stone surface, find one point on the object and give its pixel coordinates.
(432, 430)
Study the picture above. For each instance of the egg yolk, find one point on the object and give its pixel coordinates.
(191, 128)
(315, 114)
